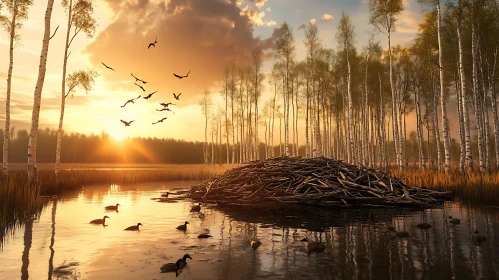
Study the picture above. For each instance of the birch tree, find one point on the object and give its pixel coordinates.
(35, 117)
(17, 12)
(79, 17)
(205, 104)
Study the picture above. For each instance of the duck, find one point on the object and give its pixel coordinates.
(453, 221)
(134, 227)
(204, 235)
(113, 207)
(180, 264)
(255, 244)
(165, 194)
(314, 246)
(478, 238)
(423, 226)
(183, 227)
(394, 233)
(196, 208)
(100, 221)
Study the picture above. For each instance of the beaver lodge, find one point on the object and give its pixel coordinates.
(312, 181)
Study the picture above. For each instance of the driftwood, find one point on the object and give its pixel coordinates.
(312, 181)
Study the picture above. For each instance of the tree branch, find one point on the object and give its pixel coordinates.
(54, 33)
(77, 30)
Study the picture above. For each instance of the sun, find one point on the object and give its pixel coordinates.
(118, 136)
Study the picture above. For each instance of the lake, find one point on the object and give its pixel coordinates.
(61, 244)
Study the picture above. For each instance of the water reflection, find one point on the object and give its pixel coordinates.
(358, 245)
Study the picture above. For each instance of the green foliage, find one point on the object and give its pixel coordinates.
(18, 7)
(384, 14)
(83, 79)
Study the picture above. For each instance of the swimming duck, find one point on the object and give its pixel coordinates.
(453, 220)
(255, 244)
(423, 226)
(196, 208)
(113, 207)
(204, 235)
(314, 246)
(100, 221)
(180, 264)
(478, 238)
(183, 227)
(134, 227)
(165, 194)
(394, 233)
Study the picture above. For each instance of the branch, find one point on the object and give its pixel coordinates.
(68, 55)
(54, 33)
(77, 30)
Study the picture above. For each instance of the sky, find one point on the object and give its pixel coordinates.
(200, 36)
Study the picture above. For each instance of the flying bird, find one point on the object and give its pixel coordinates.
(139, 86)
(138, 80)
(160, 120)
(127, 123)
(149, 95)
(107, 66)
(177, 96)
(165, 109)
(166, 104)
(181, 77)
(130, 101)
(153, 44)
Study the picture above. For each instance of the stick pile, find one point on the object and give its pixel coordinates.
(312, 181)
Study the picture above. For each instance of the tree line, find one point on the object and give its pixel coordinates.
(352, 102)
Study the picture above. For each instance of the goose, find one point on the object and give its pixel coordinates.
(423, 226)
(142, 88)
(183, 227)
(100, 221)
(149, 95)
(113, 207)
(127, 123)
(255, 244)
(160, 121)
(196, 208)
(137, 79)
(314, 246)
(107, 66)
(180, 264)
(204, 235)
(453, 221)
(181, 77)
(165, 194)
(478, 238)
(134, 228)
(177, 96)
(153, 44)
(394, 233)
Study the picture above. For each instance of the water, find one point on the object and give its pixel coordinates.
(357, 243)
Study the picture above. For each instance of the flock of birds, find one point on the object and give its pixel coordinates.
(137, 83)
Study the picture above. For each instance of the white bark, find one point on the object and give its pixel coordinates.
(394, 107)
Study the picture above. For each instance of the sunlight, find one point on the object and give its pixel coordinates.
(118, 136)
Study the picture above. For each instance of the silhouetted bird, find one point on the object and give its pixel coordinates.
(149, 95)
(127, 123)
(138, 80)
(99, 221)
(130, 101)
(153, 44)
(134, 227)
(166, 104)
(139, 86)
(165, 109)
(107, 66)
(181, 77)
(113, 207)
(177, 96)
(183, 227)
(161, 122)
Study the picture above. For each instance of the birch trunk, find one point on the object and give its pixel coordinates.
(307, 144)
(394, 106)
(35, 117)
(477, 99)
(351, 156)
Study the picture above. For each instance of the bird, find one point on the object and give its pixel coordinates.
(204, 235)
(314, 246)
(177, 96)
(166, 104)
(394, 233)
(107, 66)
(183, 227)
(161, 122)
(138, 80)
(180, 264)
(255, 244)
(453, 221)
(181, 77)
(149, 95)
(113, 207)
(165, 109)
(196, 208)
(135, 228)
(423, 226)
(139, 86)
(165, 194)
(153, 44)
(478, 238)
(99, 221)
(127, 123)
(130, 101)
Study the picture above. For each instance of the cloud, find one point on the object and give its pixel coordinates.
(197, 35)
(312, 21)
(270, 23)
(268, 9)
(258, 3)
(327, 18)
